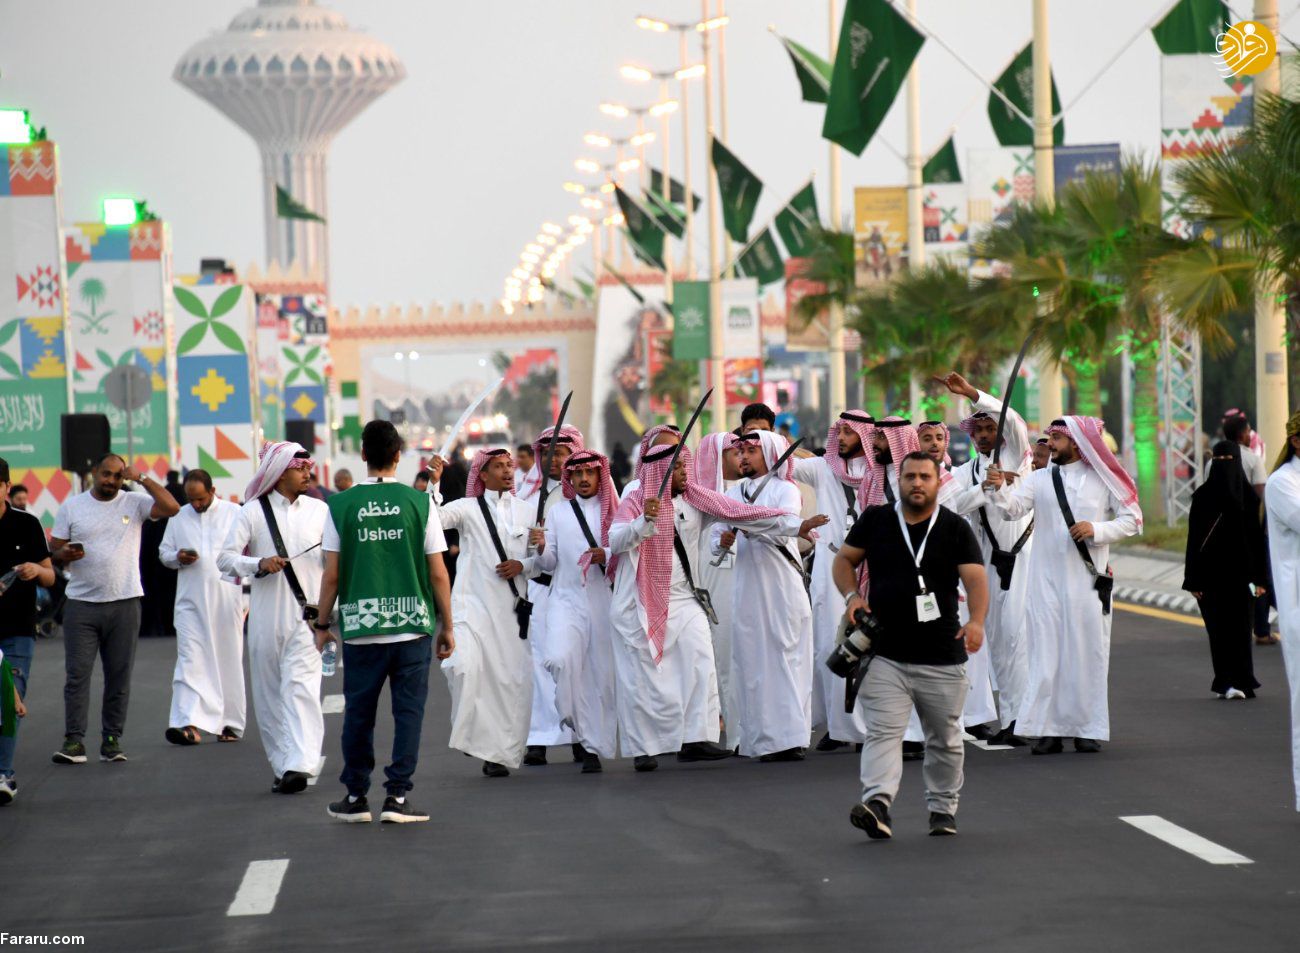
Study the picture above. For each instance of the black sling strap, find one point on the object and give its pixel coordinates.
(277, 541)
(522, 606)
(889, 491)
(1101, 582)
(851, 498)
(586, 530)
(702, 596)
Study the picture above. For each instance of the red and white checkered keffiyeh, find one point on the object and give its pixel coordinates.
(862, 424)
(647, 441)
(571, 437)
(708, 460)
(773, 446)
(1086, 432)
(275, 458)
(474, 485)
(902, 441)
(923, 426)
(608, 496)
(654, 571)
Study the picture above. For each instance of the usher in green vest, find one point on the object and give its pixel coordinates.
(384, 586)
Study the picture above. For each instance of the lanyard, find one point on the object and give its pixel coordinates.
(917, 554)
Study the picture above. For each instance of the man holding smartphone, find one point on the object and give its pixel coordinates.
(208, 683)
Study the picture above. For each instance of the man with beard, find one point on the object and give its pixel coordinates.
(836, 479)
(1069, 582)
(660, 435)
(773, 663)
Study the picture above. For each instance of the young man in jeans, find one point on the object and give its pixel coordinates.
(383, 547)
(23, 552)
(96, 537)
(915, 551)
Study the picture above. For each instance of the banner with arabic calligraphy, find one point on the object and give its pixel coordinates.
(120, 314)
(33, 365)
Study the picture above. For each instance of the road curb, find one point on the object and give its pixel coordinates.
(1173, 601)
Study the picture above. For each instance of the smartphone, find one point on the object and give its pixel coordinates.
(191, 552)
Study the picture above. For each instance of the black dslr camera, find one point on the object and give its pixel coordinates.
(856, 644)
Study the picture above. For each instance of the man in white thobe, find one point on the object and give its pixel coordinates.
(208, 682)
(773, 660)
(491, 672)
(835, 478)
(1282, 501)
(579, 653)
(544, 728)
(663, 651)
(283, 660)
(1067, 623)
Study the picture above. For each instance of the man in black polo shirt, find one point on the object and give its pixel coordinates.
(916, 552)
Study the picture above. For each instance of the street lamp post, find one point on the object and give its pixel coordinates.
(835, 330)
(1049, 373)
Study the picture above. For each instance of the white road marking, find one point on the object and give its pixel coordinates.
(979, 743)
(315, 776)
(260, 887)
(1183, 839)
(331, 704)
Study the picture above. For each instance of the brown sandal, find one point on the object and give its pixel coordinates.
(227, 734)
(189, 735)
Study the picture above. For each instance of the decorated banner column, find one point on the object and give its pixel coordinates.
(33, 367)
(117, 298)
(215, 383)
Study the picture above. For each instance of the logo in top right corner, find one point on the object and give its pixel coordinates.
(1246, 48)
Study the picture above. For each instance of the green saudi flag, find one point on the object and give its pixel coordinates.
(286, 206)
(1017, 84)
(813, 72)
(646, 235)
(1192, 26)
(676, 191)
(670, 218)
(796, 220)
(739, 190)
(942, 167)
(587, 288)
(876, 49)
(762, 260)
(691, 321)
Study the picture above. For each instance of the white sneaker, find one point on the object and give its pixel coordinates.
(8, 790)
(1234, 693)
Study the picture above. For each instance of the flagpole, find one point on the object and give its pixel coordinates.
(837, 384)
(915, 203)
(686, 156)
(1049, 373)
(722, 106)
(717, 375)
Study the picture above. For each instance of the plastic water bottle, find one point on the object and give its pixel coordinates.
(329, 658)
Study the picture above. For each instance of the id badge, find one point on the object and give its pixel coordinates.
(927, 607)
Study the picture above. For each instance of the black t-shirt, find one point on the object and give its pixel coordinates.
(892, 584)
(22, 540)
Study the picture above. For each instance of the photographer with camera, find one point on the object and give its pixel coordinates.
(908, 636)
(276, 544)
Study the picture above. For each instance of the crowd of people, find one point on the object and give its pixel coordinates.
(724, 602)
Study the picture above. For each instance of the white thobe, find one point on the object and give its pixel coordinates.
(491, 672)
(544, 726)
(772, 659)
(663, 706)
(1068, 636)
(579, 653)
(208, 681)
(827, 603)
(282, 657)
(1282, 495)
(1004, 627)
(719, 580)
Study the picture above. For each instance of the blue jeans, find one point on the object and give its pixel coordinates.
(405, 665)
(18, 650)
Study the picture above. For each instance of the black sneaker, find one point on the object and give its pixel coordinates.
(1047, 745)
(72, 752)
(645, 762)
(349, 811)
(535, 757)
(702, 751)
(872, 817)
(400, 812)
(789, 754)
(494, 770)
(827, 743)
(591, 763)
(293, 782)
(913, 750)
(1087, 745)
(942, 825)
(111, 750)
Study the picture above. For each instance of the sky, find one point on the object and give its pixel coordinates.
(436, 187)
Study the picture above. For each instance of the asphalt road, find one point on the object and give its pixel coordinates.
(736, 855)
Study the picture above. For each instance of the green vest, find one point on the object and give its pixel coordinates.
(384, 585)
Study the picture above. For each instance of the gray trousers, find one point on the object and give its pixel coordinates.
(109, 630)
(887, 697)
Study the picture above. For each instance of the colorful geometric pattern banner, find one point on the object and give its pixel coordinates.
(946, 228)
(1200, 111)
(215, 383)
(33, 352)
(121, 315)
(292, 360)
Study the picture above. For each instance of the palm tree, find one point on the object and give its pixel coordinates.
(674, 382)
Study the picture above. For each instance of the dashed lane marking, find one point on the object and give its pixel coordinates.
(1183, 839)
(259, 888)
